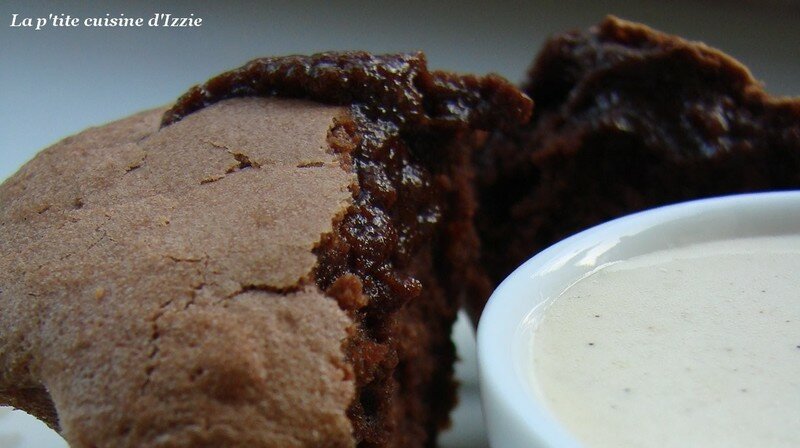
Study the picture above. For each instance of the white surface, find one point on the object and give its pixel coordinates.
(20, 430)
(514, 410)
(468, 429)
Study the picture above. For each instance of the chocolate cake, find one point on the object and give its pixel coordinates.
(274, 261)
(626, 119)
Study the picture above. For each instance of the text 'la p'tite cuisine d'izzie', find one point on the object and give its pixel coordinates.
(157, 20)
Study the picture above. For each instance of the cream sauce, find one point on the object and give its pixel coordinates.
(696, 346)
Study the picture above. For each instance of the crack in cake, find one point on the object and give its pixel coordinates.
(276, 260)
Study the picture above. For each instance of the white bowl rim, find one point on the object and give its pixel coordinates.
(506, 312)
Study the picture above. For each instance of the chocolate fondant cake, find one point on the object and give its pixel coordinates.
(626, 119)
(274, 261)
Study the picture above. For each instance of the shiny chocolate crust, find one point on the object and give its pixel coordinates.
(627, 118)
(397, 87)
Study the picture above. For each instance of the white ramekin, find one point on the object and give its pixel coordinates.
(514, 412)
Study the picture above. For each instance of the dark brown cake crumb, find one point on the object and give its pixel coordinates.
(626, 119)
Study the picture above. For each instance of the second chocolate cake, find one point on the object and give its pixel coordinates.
(626, 118)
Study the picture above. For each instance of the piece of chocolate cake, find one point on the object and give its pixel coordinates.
(275, 261)
(626, 119)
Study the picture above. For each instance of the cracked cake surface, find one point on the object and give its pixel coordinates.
(627, 118)
(147, 280)
(275, 260)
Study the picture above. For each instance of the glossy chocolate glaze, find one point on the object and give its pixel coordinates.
(395, 87)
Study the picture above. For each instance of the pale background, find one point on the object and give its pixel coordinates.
(55, 82)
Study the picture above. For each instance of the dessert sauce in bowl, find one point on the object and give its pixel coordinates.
(664, 328)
